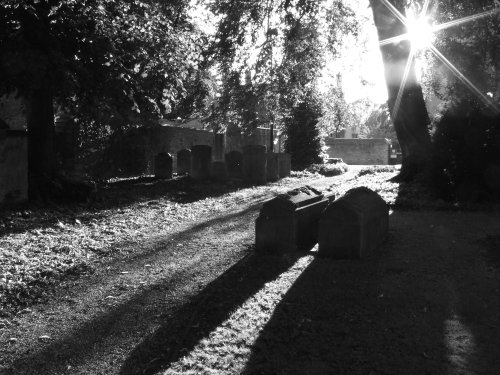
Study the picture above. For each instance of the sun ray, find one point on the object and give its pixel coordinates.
(394, 11)
(394, 40)
(425, 8)
(403, 82)
(463, 78)
(461, 21)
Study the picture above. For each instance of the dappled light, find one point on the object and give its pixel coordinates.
(227, 346)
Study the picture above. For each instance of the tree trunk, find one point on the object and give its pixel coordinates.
(410, 118)
(41, 156)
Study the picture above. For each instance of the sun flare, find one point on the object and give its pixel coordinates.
(420, 32)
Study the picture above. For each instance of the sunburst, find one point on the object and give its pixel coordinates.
(421, 35)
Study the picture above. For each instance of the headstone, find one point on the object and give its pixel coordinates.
(201, 158)
(284, 165)
(163, 165)
(219, 171)
(289, 222)
(254, 164)
(272, 167)
(219, 146)
(354, 225)
(234, 161)
(184, 162)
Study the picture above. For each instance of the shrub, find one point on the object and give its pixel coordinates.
(303, 139)
(466, 153)
(328, 170)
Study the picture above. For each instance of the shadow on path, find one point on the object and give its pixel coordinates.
(181, 332)
(421, 305)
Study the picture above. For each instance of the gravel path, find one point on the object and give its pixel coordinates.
(196, 299)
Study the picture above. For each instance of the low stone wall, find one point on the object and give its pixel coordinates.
(132, 153)
(357, 151)
(13, 167)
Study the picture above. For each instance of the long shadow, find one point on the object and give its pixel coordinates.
(208, 308)
(180, 333)
(180, 329)
(359, 317)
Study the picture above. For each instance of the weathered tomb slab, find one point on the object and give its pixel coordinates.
(272, 172)
(184, 162)
(354, 225)
(284, 165)
(289, 222)
(201, 159)
(254, 164)
(163, 165)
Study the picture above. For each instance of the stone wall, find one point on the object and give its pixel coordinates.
(13, 151)
(13, 112)
(13, 167)
(132, 154)
(358, 151)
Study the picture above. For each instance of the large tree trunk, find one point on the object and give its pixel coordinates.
(41, 156)
(410, 118)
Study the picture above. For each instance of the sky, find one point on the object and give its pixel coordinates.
(360, 62)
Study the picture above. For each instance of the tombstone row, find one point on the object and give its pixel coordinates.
(254, 165)
(349, 227)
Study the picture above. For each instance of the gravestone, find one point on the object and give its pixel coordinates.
(184, 162)
(219, 146)
(289, 222)
(234, 161)
(284, 165)
(354, 225)
(272, 167)
(163, 165)
(201, 158)
(219, 171)
(254, 164)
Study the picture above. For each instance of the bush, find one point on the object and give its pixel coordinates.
(466, 153)
(328, 170)
(303, 139)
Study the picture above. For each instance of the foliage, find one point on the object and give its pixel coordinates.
(303, 140)
(466, 153)
(379, 124)
(106, 62)
(278, 48)
(472, 47)
(328, 170)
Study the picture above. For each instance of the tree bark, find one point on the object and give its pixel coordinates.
(410, 118)
(41, 155)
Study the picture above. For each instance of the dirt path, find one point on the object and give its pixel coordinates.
(198, 300)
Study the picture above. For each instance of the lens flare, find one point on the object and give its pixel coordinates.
(420, 32)
(421, 35)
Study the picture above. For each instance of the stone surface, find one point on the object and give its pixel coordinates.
(219, 146)
(201, 159)
(218, 172)
(354, 225)
(163, 165)
(272, 167)
(254, 164)
(357, 151)
(289, 222)
(234, 163)
(13, 167)
(284, 165)
(184, 162)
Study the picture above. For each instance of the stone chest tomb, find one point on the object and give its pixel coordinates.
(354, 225)
(289, 222)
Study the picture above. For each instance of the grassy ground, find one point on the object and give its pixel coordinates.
(192, 297)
